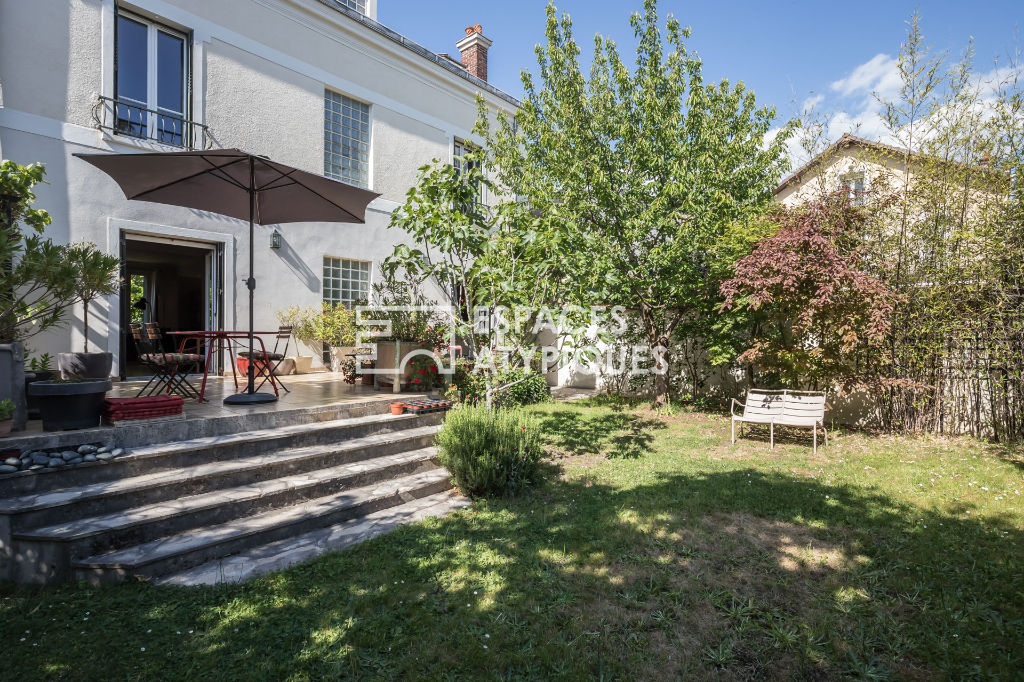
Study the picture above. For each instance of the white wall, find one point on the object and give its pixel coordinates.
(259, 70)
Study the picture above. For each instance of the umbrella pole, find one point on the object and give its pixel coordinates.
(250, 396)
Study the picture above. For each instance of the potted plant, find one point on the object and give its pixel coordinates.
(334, 326)
(298, 319)
(38, 369)
(36, 277)
(97, 275)
(66, 405)
(6, 417)
(413, 330)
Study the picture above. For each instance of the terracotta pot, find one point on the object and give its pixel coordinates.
(5, 426)
(397, 408)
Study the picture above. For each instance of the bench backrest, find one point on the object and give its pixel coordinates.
(803, 408)
(786, 407)
(762, 404)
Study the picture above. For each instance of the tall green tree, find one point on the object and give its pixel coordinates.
(644, 168)
(499, 257)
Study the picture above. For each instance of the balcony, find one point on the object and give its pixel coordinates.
(134, 121)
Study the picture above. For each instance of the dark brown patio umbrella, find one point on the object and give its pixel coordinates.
(240, 185)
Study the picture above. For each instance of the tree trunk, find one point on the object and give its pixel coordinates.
(85, 323)
(661, 391)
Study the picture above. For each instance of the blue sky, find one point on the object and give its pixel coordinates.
(786, 50)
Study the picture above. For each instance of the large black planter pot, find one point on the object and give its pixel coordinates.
(85, 365)
(31, 400)
(70, 405)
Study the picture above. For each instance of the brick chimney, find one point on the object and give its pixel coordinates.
(474, 51)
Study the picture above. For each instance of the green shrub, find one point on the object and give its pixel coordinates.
(529, 392)
(490, 452)
(472, 386)
(6, 409)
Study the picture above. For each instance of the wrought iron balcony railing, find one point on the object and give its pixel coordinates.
(131, 119)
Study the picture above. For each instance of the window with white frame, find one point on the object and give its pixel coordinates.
(151, 83)
(346, 281)
(856, 187)
(458, 160)
(357, 5)
(346, 139)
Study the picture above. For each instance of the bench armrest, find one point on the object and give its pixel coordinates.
(732, 407)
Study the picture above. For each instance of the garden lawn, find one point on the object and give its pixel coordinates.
(655, 550)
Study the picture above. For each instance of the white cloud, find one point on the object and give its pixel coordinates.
(879, 74)
(850, 105)
(866, 123)
(812, 102)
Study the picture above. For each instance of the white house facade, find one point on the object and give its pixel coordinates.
(316, 84)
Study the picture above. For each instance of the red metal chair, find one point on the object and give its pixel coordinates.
(266, 367)
(170, 370)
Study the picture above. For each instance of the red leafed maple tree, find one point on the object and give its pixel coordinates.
(820, 314)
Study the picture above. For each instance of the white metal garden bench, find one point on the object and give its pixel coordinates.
(790, 408)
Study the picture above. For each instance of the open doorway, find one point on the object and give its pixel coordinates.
(172, 282)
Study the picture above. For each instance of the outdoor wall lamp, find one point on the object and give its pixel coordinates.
(275, 240)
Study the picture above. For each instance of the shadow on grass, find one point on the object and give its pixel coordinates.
(784, 435)
(615, 435)
(723, 574)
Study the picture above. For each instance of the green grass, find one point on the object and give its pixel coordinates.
(656, 550)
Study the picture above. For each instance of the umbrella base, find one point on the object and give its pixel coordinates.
(249, 398)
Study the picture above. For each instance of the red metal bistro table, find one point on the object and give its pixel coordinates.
(222, 340)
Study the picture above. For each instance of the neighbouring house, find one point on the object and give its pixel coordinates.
(943, 194)
(317, 84)
(851, 161)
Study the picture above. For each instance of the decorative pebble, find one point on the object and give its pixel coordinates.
(36, 467)
(12, 461)
(40, 458)
(118, 452)
(105, 448)
(90, 458)
(68, 455)
(87, 449)
(8, 469)
(104, 456)
(56, 462)
(76, 460)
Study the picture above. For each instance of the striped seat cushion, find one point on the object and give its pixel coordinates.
(259, 356)
(172, 358)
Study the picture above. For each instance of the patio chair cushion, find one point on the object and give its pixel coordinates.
(259, 356)
(172, 358)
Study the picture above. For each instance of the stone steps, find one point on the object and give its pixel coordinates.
(200, 545)
(56, 546)
(164, 456)
(41, 509)
(281, 554)
(168, 508)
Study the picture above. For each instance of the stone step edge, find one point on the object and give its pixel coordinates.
(142, 453)
(58, 439)
(205, 442)
(164, 477)
(175, 545)
(282, 554)
(77, 530)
